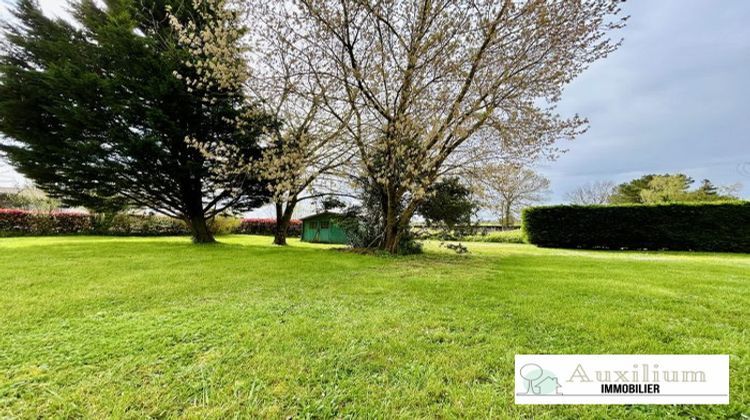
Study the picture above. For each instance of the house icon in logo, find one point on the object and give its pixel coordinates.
(539, 381)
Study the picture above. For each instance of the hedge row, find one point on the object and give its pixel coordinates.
(137, 225)
(722, 227)
(267, 226)
(505, 236)
(22, 222)
(31, 223)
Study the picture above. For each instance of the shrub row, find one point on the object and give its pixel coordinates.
(505, 236)
(22, 222)
(267, 226)
(721, 227)
(474, 233)
(138, 225)
(31, 223)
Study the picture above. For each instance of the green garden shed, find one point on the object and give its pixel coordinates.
(323, 228)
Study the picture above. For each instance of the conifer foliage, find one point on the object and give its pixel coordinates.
(97, 114)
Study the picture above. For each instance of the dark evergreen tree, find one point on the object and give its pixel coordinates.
(95, 115)
(630, 192)
(707, 189)
(448, 202)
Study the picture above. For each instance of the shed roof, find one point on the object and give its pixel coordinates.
(325, 213)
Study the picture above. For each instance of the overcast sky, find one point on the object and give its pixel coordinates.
(673, 98)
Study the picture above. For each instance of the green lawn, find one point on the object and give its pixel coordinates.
(134, 327)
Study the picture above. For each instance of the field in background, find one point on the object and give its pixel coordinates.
(515, 236)
(132, 327)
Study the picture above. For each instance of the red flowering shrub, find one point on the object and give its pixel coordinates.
(67, 222)
(267, 226)
(22, 222)
(15, 220)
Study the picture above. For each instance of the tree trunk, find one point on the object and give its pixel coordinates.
(391, 231)
(392, 237)
(396, 221)
(279, 237)
(201, 233)
(194, 213)
(283, 217)
(507, 218)
(395, 231)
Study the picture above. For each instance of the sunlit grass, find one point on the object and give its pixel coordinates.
(134, 327)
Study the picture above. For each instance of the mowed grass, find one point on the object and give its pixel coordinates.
(158, 327)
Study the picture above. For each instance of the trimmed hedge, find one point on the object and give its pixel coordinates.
(138, 225)
(16, 222)
(717, 227)
(267, 226)
(23, 222)
(32, 223)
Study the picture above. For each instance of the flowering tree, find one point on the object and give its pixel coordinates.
(304, 143)
(309, 143)
(421, 82)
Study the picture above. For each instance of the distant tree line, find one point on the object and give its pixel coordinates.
(652, 188)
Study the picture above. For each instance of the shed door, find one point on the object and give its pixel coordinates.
(311, 232)
(325, 231)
